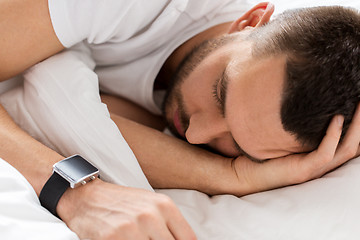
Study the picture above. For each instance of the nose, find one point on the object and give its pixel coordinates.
(204, 128)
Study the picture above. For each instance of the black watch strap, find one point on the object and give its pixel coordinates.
(52, 191)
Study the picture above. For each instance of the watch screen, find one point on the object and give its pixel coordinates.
(76, 167)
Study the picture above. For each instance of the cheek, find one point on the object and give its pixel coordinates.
(196, 94)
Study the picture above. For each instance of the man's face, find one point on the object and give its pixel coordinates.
(226, 99)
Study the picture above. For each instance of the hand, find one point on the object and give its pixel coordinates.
(299, 168)
(101, 210)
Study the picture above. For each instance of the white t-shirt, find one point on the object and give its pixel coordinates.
(131, 39)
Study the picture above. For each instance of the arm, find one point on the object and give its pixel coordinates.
(169, 162)
(172, 163)
(114, 212)
(27, 35)
(180, 165)
(129, 110)
(27, 155)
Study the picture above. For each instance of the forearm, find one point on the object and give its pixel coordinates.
(31, 158)
(172, 163)
(98, 209)
(132, 111)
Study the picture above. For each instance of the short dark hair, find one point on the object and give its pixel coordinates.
(322, 46)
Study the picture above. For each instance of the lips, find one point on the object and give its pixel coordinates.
(177, 123)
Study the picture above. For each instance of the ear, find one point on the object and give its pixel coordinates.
(255, 17)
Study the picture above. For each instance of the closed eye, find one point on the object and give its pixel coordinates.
(215, 92)
(219, 92)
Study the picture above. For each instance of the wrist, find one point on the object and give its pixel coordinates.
(73, 198)
(30, 157)
(71, 172)
(218, 176)
(231, 176)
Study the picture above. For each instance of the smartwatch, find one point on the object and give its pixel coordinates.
(71, 172)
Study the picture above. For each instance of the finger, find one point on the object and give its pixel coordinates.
(125, 232)
(327, 148)
(179, 228)
(353, 133)
(160, 231)
(127, 236)
(350, 145)
(155, 225)
(358, 152)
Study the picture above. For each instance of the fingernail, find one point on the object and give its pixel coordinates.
(340, 120)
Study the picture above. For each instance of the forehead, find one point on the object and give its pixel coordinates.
(253, 104)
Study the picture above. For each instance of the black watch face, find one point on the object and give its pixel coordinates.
(76, 168)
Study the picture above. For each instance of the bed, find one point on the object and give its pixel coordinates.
(326, 208)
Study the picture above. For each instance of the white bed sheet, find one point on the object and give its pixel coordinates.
(326, 208)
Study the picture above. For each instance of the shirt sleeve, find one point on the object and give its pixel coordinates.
(99, 21)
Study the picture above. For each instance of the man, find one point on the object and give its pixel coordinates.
(187, 110)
